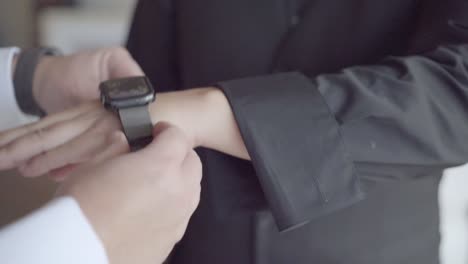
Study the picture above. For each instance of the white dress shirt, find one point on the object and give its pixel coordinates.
(11, 115)
(58, 233)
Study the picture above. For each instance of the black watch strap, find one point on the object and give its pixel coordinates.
(137, 125)
(23, 79)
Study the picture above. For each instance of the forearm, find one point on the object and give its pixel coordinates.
(204, 114)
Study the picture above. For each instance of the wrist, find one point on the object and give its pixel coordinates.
(188, 110)
(217, 115)
(205, 115)
(221, 132)
(206, 111)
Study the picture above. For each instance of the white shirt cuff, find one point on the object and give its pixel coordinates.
(11, 114)
(56, 234)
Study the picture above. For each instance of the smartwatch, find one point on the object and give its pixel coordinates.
(130, 98)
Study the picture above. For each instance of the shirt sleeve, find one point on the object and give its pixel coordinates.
(56, 234)
(312, 138)
(11, 114)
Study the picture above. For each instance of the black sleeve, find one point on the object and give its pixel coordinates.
(153, 31)
(311, 138)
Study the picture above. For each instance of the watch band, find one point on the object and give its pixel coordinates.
(137, 126)
(24, 76)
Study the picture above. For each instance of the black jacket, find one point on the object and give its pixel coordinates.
(350, 110)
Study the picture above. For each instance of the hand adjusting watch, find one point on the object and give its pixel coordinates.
(130, 98)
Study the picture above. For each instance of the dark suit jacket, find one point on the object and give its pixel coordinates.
(350, 110)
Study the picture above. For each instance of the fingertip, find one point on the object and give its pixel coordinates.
(169, 132)
(59, 175)
(160, 127)
(170, 140)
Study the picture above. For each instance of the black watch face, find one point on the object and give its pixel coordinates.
(127, 92)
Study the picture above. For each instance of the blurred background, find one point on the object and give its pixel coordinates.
(70, 25)
(73, 25)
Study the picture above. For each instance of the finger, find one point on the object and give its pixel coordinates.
(60, 174)
(121, 64)
(169, 143)
(192, 167)
(191, 173)
(10, 135)
(42, 140)
(118, 145)
(77, 151)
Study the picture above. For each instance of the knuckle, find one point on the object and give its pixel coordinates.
(191, 197)
(196, 161)
(41, 135)
(179, 234)
(195, 200)
(193, 166)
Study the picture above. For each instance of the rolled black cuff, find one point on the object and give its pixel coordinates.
(295, 145)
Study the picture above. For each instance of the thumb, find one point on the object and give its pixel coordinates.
(169, 142)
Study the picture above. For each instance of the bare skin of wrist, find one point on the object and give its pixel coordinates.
(206, 115)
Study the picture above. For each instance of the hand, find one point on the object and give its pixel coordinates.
(59, 142)
(140, 203)
(65, 81)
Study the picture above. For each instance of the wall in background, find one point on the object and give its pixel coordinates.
(17, 23)
(90, 25)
